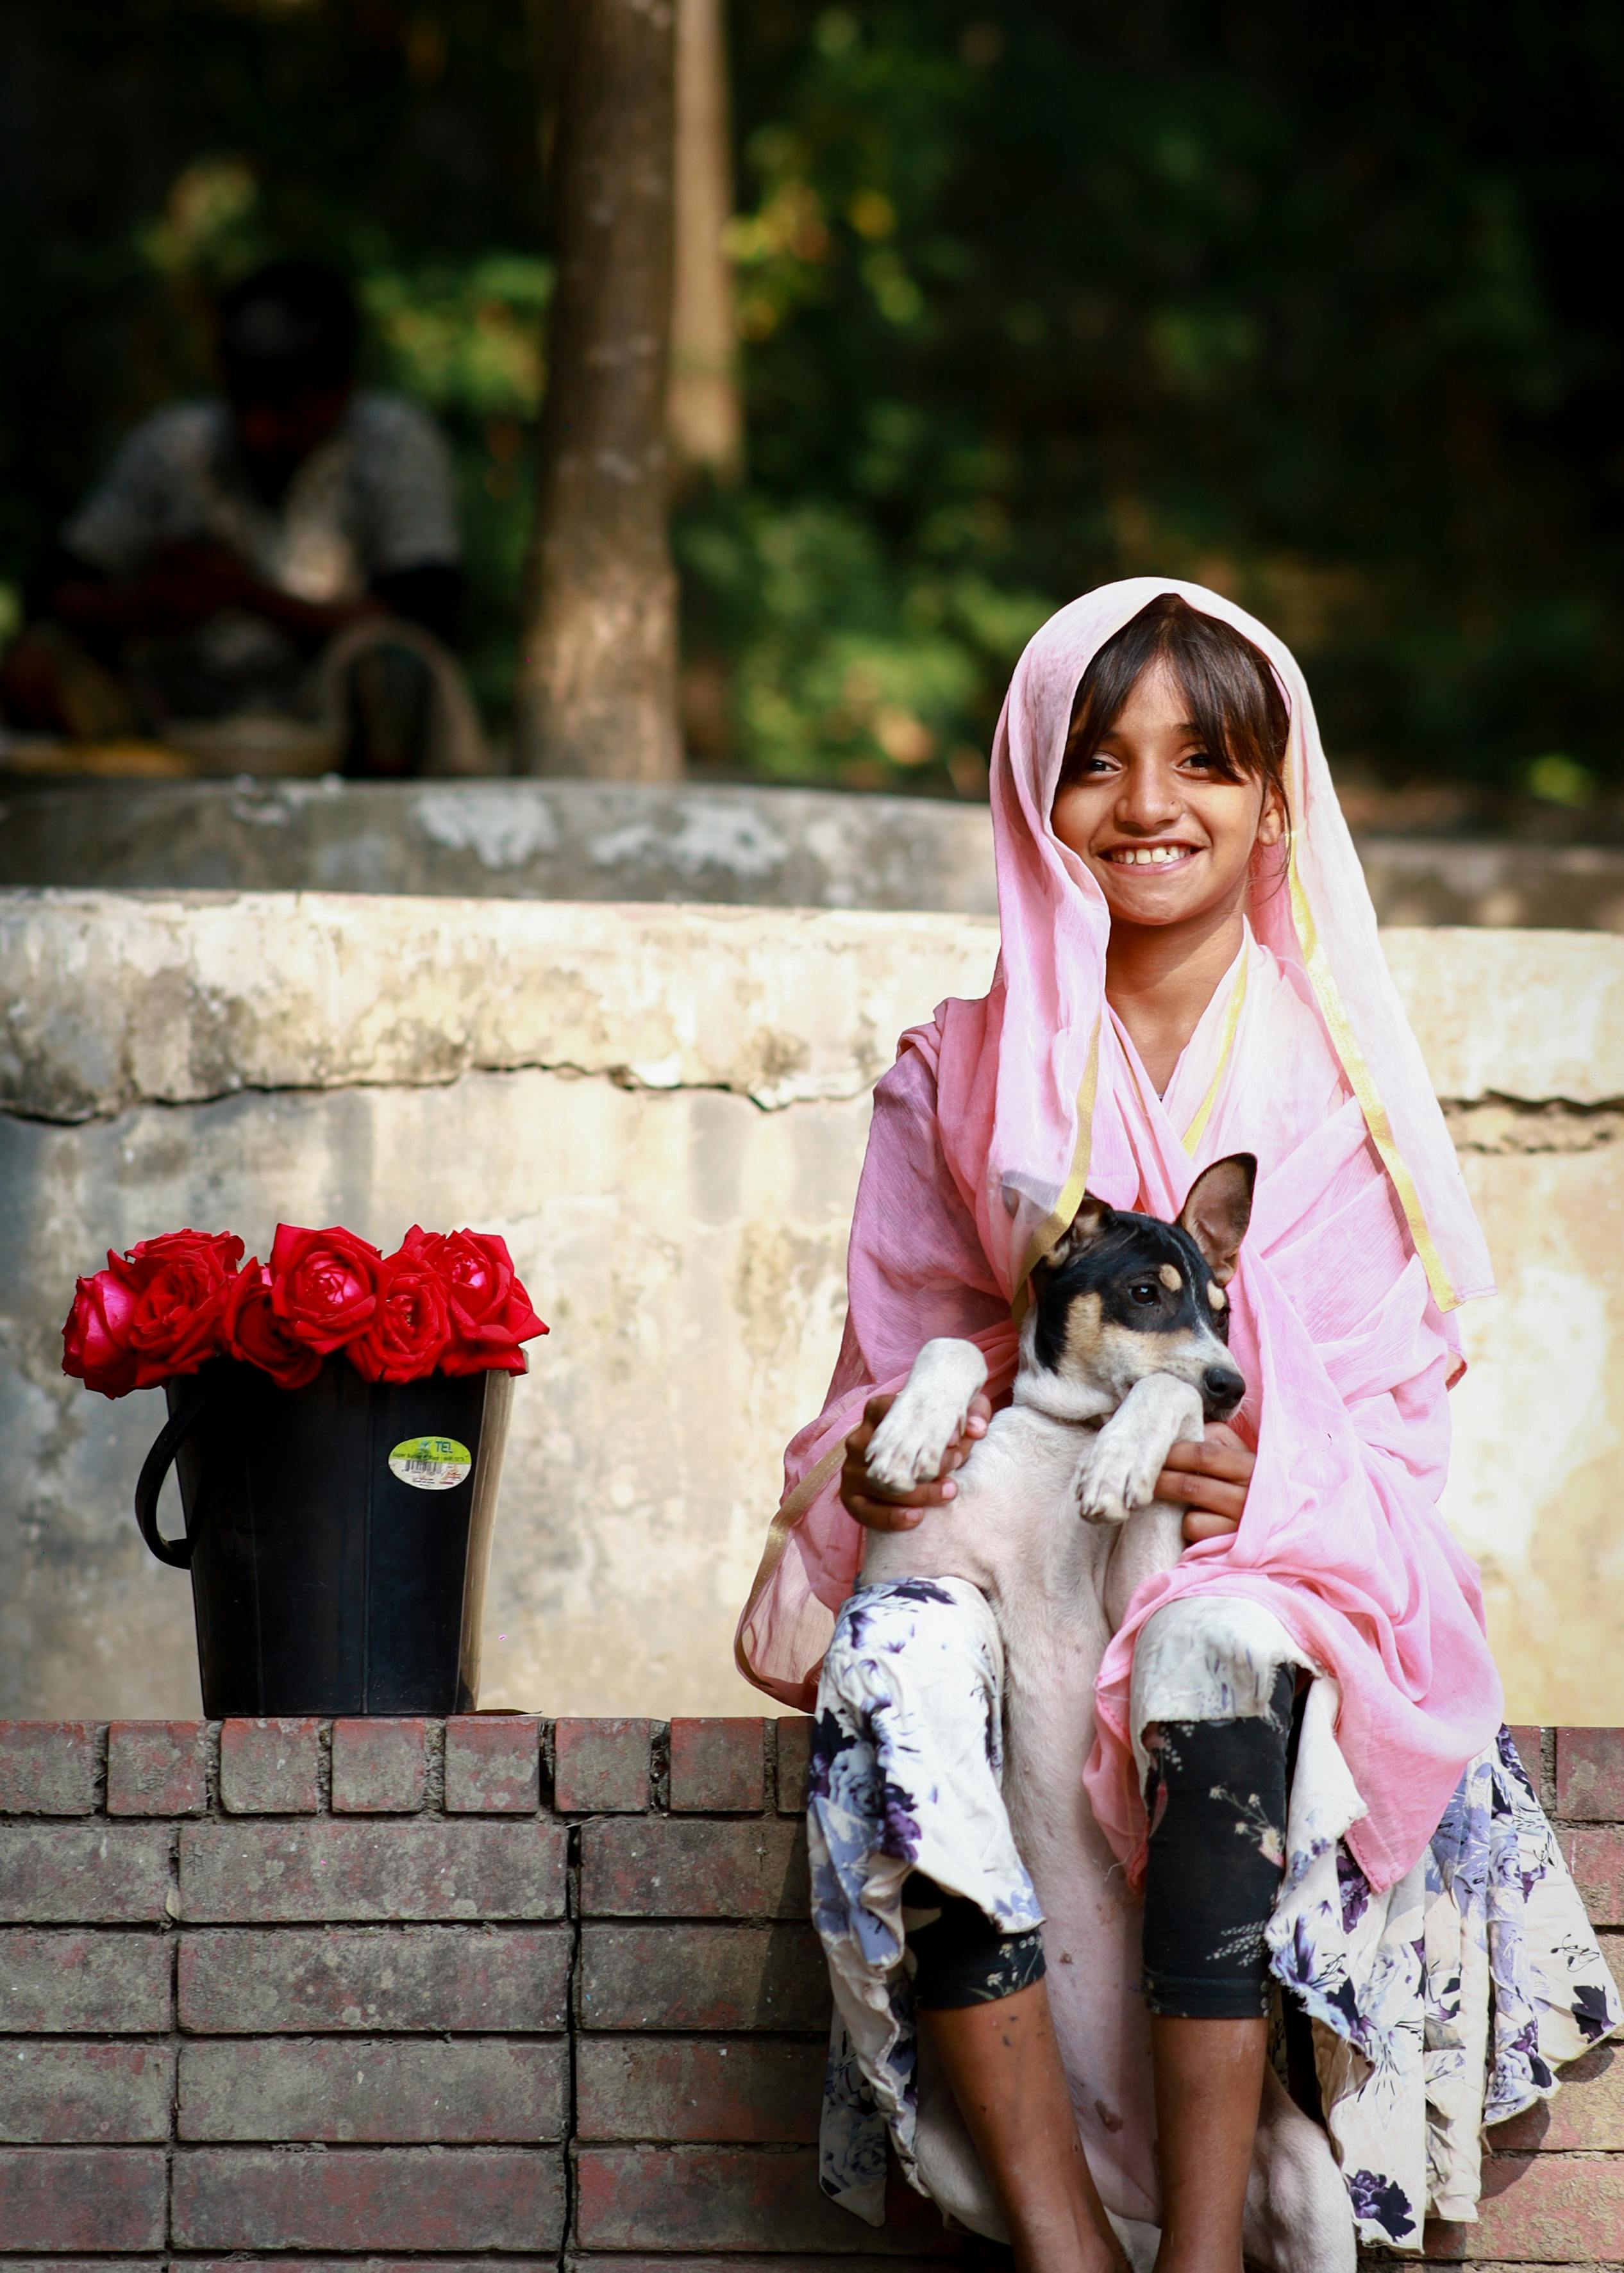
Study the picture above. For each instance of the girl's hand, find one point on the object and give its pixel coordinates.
(879, 1513)
(1210, 1481)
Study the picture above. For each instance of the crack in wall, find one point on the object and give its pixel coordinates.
(1556, 1124)
(620, 1077)
(1494, 1123)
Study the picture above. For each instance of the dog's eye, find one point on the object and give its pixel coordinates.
(1143, 1292)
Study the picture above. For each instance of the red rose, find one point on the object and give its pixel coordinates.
(251, 1330)
(180, 1283)
(153, 1313)
(95, 1343)
(324, 1284)
(407, 1335)
(491, 1313)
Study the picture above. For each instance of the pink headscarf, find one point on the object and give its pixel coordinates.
(1362, 1239)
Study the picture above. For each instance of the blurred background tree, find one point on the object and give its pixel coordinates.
(1313, 307)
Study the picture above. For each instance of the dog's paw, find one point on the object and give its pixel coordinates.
(1119, 1475)
(911, 1443)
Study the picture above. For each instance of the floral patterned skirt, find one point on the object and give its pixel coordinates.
(1442, 2005)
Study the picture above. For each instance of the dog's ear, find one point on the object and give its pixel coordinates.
(1085, 1227)
(1219, 1210)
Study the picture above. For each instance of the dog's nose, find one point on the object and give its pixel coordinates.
(1222, 1389)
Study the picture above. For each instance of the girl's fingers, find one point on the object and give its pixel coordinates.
(1199, 1524)
(1209, 1493)
(884, 1515)
(1232, 1463)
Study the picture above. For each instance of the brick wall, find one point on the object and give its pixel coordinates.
(392, 1993)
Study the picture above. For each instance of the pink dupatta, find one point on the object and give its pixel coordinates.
(998, 1114)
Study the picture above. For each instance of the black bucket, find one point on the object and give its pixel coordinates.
(338, 1536)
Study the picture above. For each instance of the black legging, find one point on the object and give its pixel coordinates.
(1216, 1795)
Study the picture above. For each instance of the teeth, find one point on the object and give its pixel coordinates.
(1151, 856)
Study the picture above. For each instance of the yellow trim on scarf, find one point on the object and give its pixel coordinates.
(1363, 1083)
(783, 1523)
(1191, 1136)
(1071, 1195)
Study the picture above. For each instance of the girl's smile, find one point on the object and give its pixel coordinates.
(1165, 823)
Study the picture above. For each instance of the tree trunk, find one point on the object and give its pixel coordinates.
(597, 691)
(705, 422)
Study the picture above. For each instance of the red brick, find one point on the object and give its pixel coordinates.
(702, 1976)
(736, 2198)
(718, 1766)
(270, 1767)
(132, 2265)
(601, 1767)
(368, 2198)
(379, 1768)
(493, 1767)
(83, 1983)
(664, 1868)
(1590, 1775)
(48, 1767)
(619, 2263)
(60, 2198)
(262, 1873)
(374, 2090)
(737, 2092)
(1595, 1855)
(1529, 1741)
(712, 2265)
(445, 1978)
(1540, 2209)
(157, 1767)
(1587, 2112)
(64, 2093)
(794, 1740)
(84, 1874)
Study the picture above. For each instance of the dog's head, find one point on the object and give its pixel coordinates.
(1122, 1296)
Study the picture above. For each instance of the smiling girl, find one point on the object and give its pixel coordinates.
(1188, 968)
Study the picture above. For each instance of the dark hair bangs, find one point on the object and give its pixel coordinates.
(1236, 705)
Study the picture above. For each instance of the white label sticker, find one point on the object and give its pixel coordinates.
(430, 1463)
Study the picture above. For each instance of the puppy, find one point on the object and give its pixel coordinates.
(1124, 1353)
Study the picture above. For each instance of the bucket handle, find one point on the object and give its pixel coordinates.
(176, 1552)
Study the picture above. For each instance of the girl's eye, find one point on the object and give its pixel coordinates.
(1143, 1292)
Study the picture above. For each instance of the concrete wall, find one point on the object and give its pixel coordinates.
(664, 1109)
(566, 840)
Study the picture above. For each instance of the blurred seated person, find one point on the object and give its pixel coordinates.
(277, 569)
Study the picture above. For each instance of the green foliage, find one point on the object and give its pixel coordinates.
(1306, 309)
(1313, 307)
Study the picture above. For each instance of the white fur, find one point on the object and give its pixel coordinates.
(928, 1416)
(1118, 1473)
(1058, 1585)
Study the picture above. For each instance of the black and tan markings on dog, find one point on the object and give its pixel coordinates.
(1121, 1295)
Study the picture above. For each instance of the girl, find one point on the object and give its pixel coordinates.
(1188, 968)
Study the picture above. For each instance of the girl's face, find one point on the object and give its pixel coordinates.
(1165, 823)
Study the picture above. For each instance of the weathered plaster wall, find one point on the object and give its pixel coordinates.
(737, 846)
(664, 1109)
